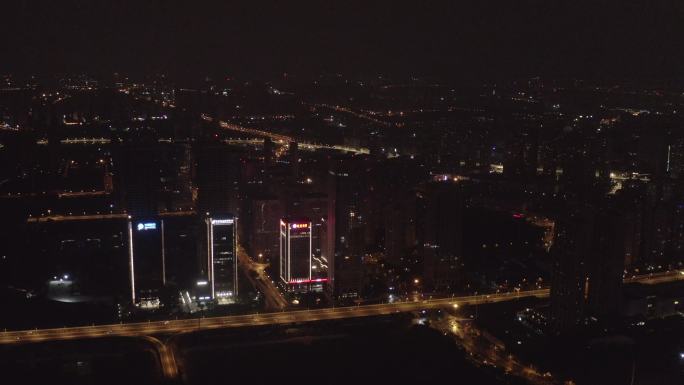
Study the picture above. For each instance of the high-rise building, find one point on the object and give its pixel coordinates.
(346, 182)
(175, 177)
(264, 214)
(589, 254)
(399, 228)
(348, 277)
(182, 236)
(296, 255)
(656, 227)
(440, 233)
(222, 258)
(675, 158)
(147, 264)
(569, 280)
(606, 267)
(315, 206)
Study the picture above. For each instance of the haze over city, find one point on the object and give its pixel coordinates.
(370, 192)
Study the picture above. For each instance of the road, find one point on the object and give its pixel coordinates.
(188, 325)
(97, 217)
(657, 278)
(484, 350)
(167, 358)
(87, 217)
(250, 131)
(285, 317)
(284, 139)
(360, 115)
(261, 281)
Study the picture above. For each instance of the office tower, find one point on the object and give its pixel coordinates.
(296, 254)
(222, 258)
(315, 206)
(146, 261)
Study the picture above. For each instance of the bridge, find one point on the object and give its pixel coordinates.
(235, 321)
(169, 327)
(100, 217)
(287, 317)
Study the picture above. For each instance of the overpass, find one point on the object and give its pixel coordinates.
(100, 217)
(288, 317)
(235, 321)
(169, 366)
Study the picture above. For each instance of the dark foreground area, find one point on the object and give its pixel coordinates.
(100, 361)
(381, 350)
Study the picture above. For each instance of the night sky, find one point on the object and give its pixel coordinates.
(637, 39)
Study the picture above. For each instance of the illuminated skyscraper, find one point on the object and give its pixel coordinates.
(146, 261)
(295, 254)
(222, 258)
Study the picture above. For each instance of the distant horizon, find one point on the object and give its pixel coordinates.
(199, 79)
(497, 39)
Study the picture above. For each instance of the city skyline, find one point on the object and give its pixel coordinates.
(345, 192)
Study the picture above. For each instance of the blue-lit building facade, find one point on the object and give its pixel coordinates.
(147, 263)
